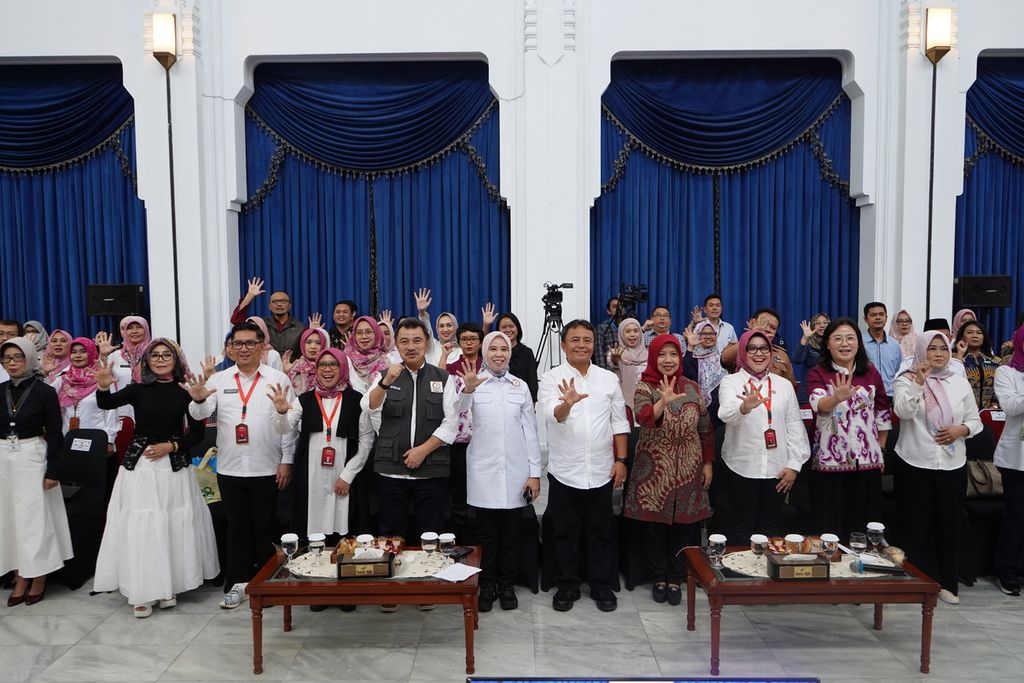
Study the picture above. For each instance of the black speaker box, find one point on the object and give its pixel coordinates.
(115, 300)
(985, 291)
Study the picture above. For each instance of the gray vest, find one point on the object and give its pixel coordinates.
(396, 420)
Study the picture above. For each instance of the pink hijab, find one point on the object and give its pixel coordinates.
(962, 316)
(262, 324)
(741, 352)
(1017, 360)
(937, 408)
(331, 392)
(303, 371)
(133, 352)
(77, 383)
(908, 341)
(369, 363)
(60, 363)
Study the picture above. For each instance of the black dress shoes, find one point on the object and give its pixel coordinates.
(605, 599)
(564, 599)
(508, 598)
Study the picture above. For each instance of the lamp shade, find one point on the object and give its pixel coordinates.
(938, 37)
(164, 38)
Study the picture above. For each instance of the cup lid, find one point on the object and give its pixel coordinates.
(364, 538)
(795, 538)
(447, 537)
(716, 538)
(317, 537)
(428, 536)
(876, 526)
(758, 538)
(831, 538)
(285, 538)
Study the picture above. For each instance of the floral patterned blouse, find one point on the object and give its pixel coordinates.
(846, 438)
(666, 485)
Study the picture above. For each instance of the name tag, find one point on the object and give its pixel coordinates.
(806, 413)
(437, 387)
(230, 391)
(81, 445)
(997, 416)
(125, 365)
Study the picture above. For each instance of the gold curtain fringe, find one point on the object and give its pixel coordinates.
(284, 147)
(986, 145)
(112, 142)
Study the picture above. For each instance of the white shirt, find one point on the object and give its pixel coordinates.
(266, 448)
(90, 415)
(434, 349)
(580, 449)
(916, 444)
(726, 334)
(1009, 386)
(505, 451)
(326, 511)
(4, 376)
(122, 371)
(355, 381)
(744, 450)
(446, 431)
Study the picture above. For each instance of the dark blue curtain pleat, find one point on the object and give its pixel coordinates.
(371, 116)
(439, 226)
(61, 230)
(995, 101)
(687, 110)
(654, 223)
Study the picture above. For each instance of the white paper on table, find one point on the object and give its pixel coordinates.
(456, 572)
(368, 554)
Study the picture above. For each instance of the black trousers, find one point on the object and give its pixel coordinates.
(1009, 560)
(457, 484)
(844, 502)
(250, 506)
(754, 506)
(573, 512)
(498, 532)
(931, 505)
(427, 497)
(662, 543)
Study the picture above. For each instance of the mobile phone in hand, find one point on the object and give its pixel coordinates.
(528, 495)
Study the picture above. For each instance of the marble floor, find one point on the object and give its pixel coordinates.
(72, 636)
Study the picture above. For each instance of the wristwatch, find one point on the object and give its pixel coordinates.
(621, 458)
(383, 386)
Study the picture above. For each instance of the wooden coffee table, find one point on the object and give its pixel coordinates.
(914, 587)
(273, 585)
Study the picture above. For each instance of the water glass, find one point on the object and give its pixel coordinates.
(290, 545)
(428, 541)
(447, 542)
(829, 544)
(759, 546)
(365, 541)
(316, 547)
(858, 542)
(876, 535)
(794, 543)
(716, 549)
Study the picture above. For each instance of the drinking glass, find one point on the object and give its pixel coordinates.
(365, 541)
(716, 548)
(858, 542)
(876, 534)
(829, 544)
(290, 546)
(759, 546)
(428, 541)
(447, 542)
(794, 543)
(316, 546)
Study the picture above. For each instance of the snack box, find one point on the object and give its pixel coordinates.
(351, 568)
(808, 568)
(347, 546)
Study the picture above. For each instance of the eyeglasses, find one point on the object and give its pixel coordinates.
(708, 333)
(279, 301)
(166, 355)
(8, 334)
(903, 321)
(758, 350)
(248, 344)
(13, 358)
(332, 365)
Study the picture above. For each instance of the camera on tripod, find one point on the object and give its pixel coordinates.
(629, 296)
(552, 300)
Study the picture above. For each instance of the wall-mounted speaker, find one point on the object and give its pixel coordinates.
(984, 291)
(115, 300)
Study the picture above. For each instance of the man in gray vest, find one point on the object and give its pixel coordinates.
(412, 409)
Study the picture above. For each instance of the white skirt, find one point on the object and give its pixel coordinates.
(34, 535)
(159, 538)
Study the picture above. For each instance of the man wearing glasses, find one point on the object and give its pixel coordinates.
(284, 329)
(254, 462)
(660, 322)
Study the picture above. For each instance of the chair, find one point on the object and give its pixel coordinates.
(83, 467)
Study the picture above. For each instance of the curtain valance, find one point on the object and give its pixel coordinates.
(995, 110)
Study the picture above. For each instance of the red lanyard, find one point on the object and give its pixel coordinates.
(328, 420)
(244, 397)
(768, 402)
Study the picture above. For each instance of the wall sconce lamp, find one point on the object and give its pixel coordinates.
(938, 40)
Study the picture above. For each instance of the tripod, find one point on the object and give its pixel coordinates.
(552, 328)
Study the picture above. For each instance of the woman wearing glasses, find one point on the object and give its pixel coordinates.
(159, 538)
(34, 536)
(765, 442)
(852, 422)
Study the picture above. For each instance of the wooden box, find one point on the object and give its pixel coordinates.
(351, 568)
(802, 570)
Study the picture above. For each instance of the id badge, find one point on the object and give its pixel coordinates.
(74, 423)
(12, 443)
(770, 439)
(242, 433)
(327, 457)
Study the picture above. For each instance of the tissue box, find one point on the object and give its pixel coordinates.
(351, 568)
(781, 570)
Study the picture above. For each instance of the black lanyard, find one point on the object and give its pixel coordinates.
(12, 407)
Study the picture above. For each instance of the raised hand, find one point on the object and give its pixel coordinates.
(691, 337)
(103, 373)
(385, 316)
(48, 364)
(921, 373)
(667, 389)
(751, 398)
(103, 344)
(393, 373)
(423, 299)
(255, 287)
(805, 327)
(842, 387)
(279, 395)
(488, 315)
(568, 392)
(209, 367)
(32, 337)
(697, 314)
(616, 354)
(961, 350)
(196, 388)
(315, 321)
(286, 362)
(469, 376)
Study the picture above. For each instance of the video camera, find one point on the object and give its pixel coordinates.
(629, 296)
(552, 300)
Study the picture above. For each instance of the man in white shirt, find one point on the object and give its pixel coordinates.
(587, 434)
(254, 462)
(726, 333)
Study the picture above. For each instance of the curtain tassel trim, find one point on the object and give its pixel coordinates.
(987, 145)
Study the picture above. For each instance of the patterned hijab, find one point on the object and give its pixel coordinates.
(77, 383)
(60, 363)
(303, 370)
(133, 352)
(369, 363)
(709, 365)
(341, 384)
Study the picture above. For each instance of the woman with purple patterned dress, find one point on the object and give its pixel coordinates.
(852, 421)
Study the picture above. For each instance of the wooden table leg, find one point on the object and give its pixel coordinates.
(256, 606)
(878, 616)
(469, 616)
(287, 617)
(691, 600)
(927, 610)
(716, 632)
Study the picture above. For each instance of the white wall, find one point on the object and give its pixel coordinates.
(549, 63)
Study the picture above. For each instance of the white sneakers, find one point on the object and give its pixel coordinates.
(234, 597)
(948, 597)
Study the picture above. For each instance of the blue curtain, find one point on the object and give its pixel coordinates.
(368, 181)
(728, 175)
(990, 212)
(70, 215)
